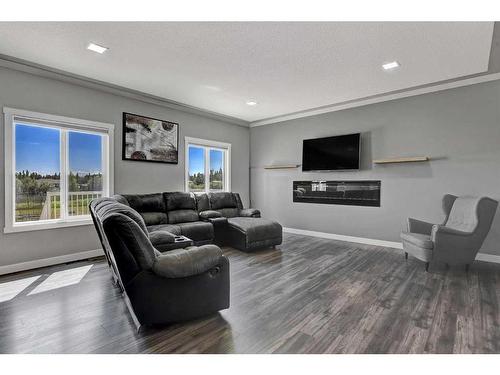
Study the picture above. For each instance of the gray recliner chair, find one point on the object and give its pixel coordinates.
(458, 240)
(159, 288)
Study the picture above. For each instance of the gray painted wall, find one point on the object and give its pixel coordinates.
(30, 92)
(459, 129)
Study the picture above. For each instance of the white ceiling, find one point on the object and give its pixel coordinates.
(285, 67)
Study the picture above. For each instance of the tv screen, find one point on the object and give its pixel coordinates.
(331, 153)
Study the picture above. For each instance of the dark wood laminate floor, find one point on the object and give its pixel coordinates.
(310, 296)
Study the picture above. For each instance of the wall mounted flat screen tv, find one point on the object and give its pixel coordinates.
(331, 153)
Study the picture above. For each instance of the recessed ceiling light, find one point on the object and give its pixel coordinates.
(251, 103)
(97, 48)
(391, 65)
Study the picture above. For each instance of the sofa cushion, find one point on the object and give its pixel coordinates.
(154, 218)
(150, 206)
(222, 200)
(146, 202)
(239, 203)
(105, 207)
(131, 246)
(182, 216)
(174, 229)
(463, 214)
(181, 207)
(256, 229)
(197, 231)
(179, 201)
(417, 239)
(120, 199)
(202, 202)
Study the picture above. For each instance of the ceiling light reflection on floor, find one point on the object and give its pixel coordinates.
(61, 279)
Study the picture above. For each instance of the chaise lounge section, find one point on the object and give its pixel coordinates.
(245, 230)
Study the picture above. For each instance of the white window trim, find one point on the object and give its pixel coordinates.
(61, 122)
(213, 144)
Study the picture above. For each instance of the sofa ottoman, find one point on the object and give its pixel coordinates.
(251, 233)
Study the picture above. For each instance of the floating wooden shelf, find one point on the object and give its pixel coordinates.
(411, 159)
(284, 166)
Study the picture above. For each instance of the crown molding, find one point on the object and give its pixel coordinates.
(14, 63)
(420, 90)
(60, 75)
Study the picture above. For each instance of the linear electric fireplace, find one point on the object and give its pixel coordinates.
(354, 193)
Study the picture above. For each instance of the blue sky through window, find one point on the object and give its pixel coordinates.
(216, 159)
(196, 160)
(37, 149)
(84, 152)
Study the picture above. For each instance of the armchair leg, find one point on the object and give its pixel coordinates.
(427, 267)
(406, 255)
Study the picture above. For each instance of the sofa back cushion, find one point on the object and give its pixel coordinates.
(226, 203)
(124, 235)
(222, 200)
(104, 207)
(202, 202)
(181, 207)
(239, 203)
(150, 206)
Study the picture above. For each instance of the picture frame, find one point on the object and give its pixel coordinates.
(149, 139)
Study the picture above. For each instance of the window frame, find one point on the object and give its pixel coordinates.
(65, 124)
(208, 145)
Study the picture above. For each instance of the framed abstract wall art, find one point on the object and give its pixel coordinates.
(150, 139)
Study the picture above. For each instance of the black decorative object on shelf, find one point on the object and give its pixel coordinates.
(353, 193)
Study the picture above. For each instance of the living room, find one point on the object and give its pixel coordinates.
(251, 187)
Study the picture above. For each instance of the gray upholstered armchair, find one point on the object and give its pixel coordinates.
(456, 241)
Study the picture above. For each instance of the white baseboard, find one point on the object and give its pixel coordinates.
(488, 258)
(11, 268)
(369, 241)
(340, 237)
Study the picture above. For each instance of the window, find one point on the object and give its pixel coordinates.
(54, 167)
(207, 165)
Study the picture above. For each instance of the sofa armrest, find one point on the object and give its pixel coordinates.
(187, 262)
(209, 214)
(218, 221)
(250, 212)
(442, 231)
(419, 226)
(454, 246)
(161, 237)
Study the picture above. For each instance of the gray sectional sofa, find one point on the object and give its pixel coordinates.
(204, 218)
(148, 238)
